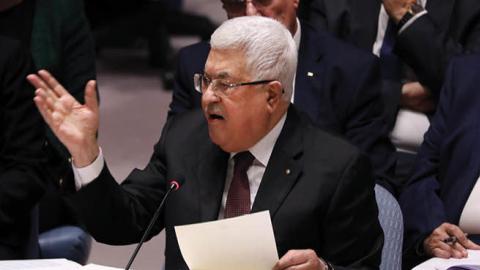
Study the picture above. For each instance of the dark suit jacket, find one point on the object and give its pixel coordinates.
(451, 27)
(327, 203)
(342, 96)
(447, 166)
(21, 140)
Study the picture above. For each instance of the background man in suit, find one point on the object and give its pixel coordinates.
(415, 41)
(57, 34)
(21, 139)
(247, 86)
(336, 85)
(441, 199)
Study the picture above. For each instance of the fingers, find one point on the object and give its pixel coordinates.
(52, 83)
(299, 259)
(91, 100)
(447, 241)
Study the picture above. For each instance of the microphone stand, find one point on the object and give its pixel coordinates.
(173, 186)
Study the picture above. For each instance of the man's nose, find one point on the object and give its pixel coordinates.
(209, 95)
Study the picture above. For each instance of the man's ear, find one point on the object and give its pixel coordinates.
(274, 94)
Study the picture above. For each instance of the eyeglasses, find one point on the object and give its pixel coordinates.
(202, 83)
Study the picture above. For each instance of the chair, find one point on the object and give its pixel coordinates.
(391, 220)
(69, 242)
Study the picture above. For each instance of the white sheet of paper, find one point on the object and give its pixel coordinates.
(245, 242)
(50, 264)
(442, 264)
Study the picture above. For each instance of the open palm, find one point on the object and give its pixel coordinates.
(73, 123)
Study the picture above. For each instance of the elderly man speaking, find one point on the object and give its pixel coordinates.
(248, 150)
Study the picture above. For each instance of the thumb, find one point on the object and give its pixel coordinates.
(91, 100)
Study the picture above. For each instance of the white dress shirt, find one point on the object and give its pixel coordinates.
(410, 126)
(262, 151)
(470, 218)
(297, 37)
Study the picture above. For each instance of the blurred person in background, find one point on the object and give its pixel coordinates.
(21, 139)
(58, 36)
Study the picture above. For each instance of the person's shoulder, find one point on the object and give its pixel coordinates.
(200, 48)
(338, 51)
(324, 142)
(331, 150)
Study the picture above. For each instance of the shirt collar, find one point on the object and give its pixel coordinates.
(263, 149)
(298, 34)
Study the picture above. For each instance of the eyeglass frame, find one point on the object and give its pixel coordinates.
(197, 83)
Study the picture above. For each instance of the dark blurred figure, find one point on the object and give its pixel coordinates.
(441, 200)
(58, 36)
(21, 139)
(118, 23)
(415, 41)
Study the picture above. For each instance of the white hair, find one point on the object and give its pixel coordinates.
(269, 48)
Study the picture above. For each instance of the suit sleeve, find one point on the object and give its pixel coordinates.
(21, 138)
(366, 124)
(119, 214)
(353, 235)
(428, 49)
(421, 205)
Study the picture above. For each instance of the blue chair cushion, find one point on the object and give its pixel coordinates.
(69, 242)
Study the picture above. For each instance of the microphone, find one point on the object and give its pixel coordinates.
(175, 184)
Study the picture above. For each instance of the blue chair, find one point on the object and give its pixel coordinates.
(69, 242)
(391, 220)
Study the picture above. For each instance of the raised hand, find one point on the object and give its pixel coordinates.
(397, 8)
(74, 124)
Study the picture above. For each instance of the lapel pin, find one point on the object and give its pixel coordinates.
(287, 171)
(310, 74)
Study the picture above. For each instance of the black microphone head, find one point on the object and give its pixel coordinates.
(176, 182)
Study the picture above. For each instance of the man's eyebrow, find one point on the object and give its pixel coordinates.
(221, 75)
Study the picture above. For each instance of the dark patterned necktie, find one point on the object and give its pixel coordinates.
(390, 63)
(238, 198)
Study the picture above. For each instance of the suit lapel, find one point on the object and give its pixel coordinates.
(283, 169)
(211, 172)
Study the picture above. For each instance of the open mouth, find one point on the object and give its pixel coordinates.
(214, 116)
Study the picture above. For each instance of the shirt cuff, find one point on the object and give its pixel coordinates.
(87, 174)
(409, 22)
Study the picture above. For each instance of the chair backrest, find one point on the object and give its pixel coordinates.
(70, 242)
(391, 220)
